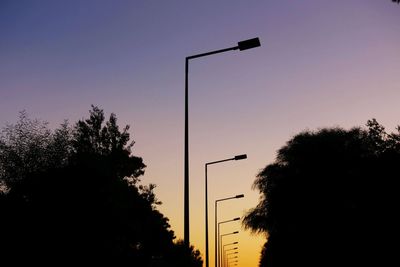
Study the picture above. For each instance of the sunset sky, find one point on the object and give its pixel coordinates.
(321, 64)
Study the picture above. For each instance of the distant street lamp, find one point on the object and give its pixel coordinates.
(217, 244)
(231, 254)
(229, 263)
(235, 219)
(238, 157)
(224, 254)
(228, 260)
(220, 241)
(229, 244)
(225, 250)
(243, 45)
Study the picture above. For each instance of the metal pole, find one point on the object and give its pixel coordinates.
(206, 205)
(219, 247)
(216, 234)
(186, 179)
(220, 251)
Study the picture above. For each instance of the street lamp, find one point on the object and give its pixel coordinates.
(228, 259)
(238, 157)
(229, 263)
(220, 241)
(243, 45)
(230, 244)
(224, 254)
(217, 246)
(231, 254)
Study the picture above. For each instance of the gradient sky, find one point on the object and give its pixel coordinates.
(322, 63)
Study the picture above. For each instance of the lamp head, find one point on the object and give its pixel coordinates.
(248, 44)
(239, 157)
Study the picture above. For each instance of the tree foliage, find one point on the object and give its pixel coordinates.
(74, 195)
(328, 198)
(29, 146)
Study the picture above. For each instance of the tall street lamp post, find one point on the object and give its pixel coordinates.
(238, 157)
(217, 245)
(243, 45)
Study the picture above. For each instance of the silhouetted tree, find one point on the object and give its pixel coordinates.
(180, 256)
(329, 199)
(74, 196)
(29, 146)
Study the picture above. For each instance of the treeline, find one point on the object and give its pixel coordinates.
(74, 196)
(331, 199)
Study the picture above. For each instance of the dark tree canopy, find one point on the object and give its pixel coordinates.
(29, 146)
(330, 197)
(74, 195)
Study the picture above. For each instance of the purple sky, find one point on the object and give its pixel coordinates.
(321, 63)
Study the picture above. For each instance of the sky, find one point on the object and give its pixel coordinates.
(321, 64)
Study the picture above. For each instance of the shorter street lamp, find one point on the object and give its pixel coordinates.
(235, 219)
(232, 253)
(223, 256)
(238, 157)
(231, 258)
(228, 260)
(220, 241)
(217, 243)
(229, 244)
